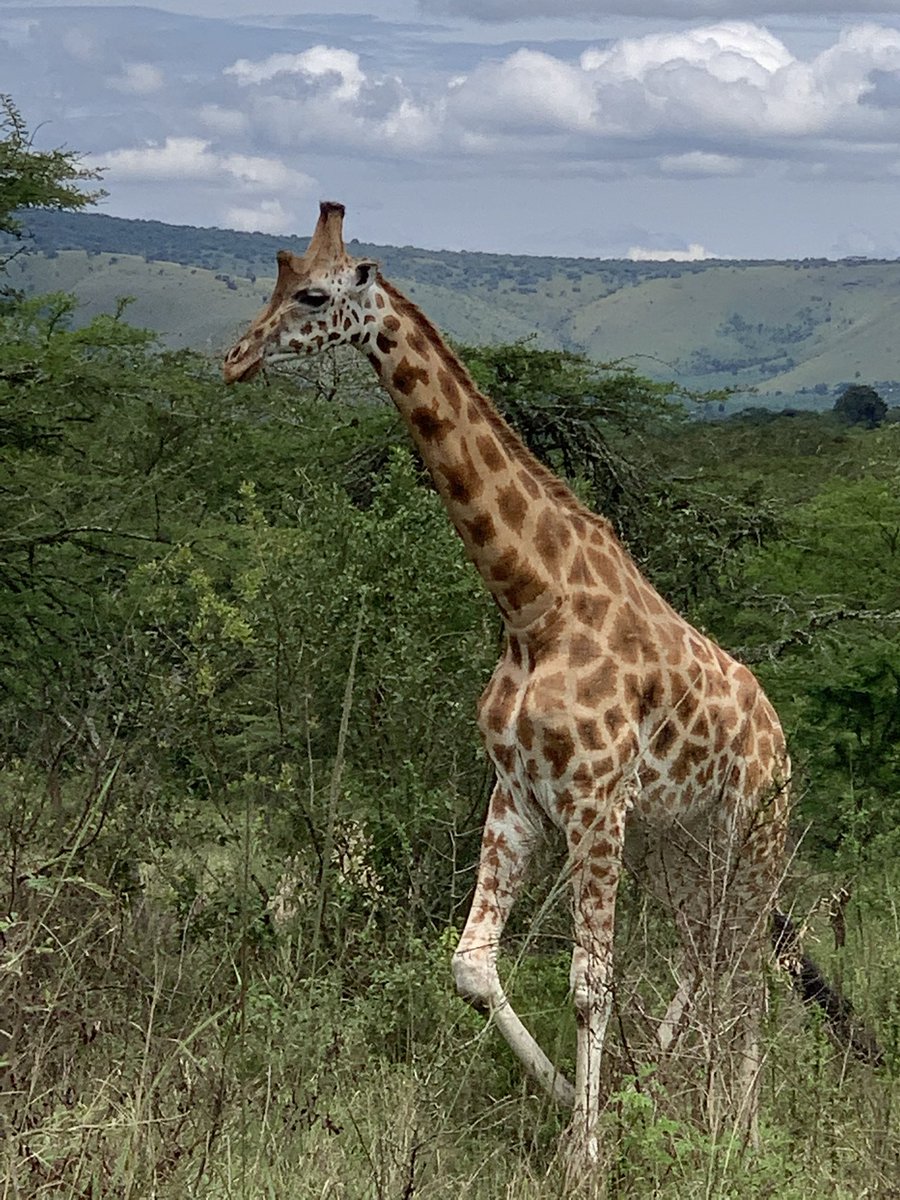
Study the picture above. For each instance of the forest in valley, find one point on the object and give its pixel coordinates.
(242, 786)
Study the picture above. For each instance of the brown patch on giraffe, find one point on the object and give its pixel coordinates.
(450, 390)
(481, 529)
(614, 720)
(406, 376)
(603, 767)
(705, 773)
(379, 300)
(530, 484)
(474, 413)
(686, 706)
(651, 694)
(505, 566)
(525, 731)
(599, 685)
(700, 728)
(514, 646)
(626, 748)
(579, 571)
(587, 816)
(551, 537)
(524, 589)
(582, 650)
(512, 507)
(603, 567)
(418, 343)
(589, 735)
(665, 739)
(625, 639)
(501, 703)
(558, 746)
(501, 803)
(429, 426)
(590, 609)
(391, 323)
(491, 454)
(504, 756)
(583, 775)
(385, 344)
(464, 484)
(725, 719)
(565, 804)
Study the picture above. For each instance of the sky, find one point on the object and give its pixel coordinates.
(598, 128)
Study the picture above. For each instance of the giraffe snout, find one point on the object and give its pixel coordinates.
(240, 364)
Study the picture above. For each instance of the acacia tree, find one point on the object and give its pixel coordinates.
(860, 405)
(31, 178)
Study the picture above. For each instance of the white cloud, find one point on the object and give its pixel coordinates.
(176, 158)
(650, 254)
(266, 217)
(323, 97)
(529, 89)
(138, 78)
(192, 158)
(729, 81)
(340, 67)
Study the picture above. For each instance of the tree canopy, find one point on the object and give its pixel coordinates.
(31, 178)
(860, 405)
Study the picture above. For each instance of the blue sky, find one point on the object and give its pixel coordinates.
(593, 127)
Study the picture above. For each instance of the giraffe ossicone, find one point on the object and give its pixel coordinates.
(608, 717)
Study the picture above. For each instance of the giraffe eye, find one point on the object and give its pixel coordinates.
(311, 299)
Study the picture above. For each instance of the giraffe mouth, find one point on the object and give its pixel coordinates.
(241, 370)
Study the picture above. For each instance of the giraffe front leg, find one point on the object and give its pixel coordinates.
(509, 837)
(596, 854)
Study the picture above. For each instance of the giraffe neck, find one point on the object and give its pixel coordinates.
(522, 527)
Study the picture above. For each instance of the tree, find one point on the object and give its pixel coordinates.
(860, 405)
(32, 178)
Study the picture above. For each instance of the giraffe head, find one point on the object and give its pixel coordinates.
(320, 299)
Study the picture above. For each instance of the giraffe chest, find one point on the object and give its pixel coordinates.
(540, 747)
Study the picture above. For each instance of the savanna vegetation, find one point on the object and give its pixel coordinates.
(798, 332)
(242, 787)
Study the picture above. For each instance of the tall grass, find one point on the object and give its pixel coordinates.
(150, 1054)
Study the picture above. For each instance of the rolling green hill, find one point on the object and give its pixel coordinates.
(789, 329)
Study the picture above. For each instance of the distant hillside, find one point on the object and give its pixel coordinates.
(788, 329)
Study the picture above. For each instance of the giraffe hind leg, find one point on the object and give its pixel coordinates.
(509, 837)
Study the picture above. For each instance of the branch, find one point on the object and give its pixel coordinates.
(804, 637)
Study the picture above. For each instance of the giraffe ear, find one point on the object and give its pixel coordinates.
(364, 275)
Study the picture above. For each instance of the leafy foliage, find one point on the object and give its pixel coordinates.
(242, 788)
(36, 179)
(860, 405)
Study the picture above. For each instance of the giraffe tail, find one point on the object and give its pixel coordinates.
(850, 1033)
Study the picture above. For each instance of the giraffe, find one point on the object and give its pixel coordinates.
(608, 717)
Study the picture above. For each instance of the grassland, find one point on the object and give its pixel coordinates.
(786, 329)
